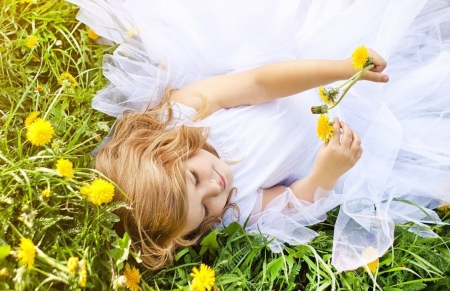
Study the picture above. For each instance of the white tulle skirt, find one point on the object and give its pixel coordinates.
(404, 172)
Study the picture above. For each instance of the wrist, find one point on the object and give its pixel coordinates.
(323, 179)
(347, 69)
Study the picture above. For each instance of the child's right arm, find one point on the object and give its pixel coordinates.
(272, 81)
(333, 160)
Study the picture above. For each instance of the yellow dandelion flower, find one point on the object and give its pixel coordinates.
(40, 132)
(32, 117)
(132, 277)
(101, 191)
(368, 254)
(203, 279)
(82, 274)
(72, 264)
(324, 128)
(444, 207)
(31, 42)
(67, 80)
(39, 88)
(26, 252)
(323, 96)
(65, 168)
(92, 34)
(360, 57)
(25, 1)
(86, 190)
(46, 193)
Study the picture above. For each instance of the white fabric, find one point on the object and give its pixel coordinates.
(404, 124)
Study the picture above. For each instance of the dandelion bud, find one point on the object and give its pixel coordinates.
(26, 209)
(319, 109)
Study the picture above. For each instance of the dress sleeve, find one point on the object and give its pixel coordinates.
(285, 218)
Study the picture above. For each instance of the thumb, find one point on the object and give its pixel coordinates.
(376, 77)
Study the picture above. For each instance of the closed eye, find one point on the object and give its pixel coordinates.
(197, 180)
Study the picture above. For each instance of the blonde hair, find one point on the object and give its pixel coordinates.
(145, 159)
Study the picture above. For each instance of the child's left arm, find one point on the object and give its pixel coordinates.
(272, 81)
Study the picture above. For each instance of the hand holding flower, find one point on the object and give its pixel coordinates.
(337, 156)
(375, 73)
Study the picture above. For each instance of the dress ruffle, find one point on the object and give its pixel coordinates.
(404, 171)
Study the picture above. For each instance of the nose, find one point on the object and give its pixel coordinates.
(211, 189)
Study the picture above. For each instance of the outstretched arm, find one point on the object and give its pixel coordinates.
(333, 160)
(272, 81)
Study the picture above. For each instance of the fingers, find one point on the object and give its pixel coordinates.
(355, 146)
(336, 132)
(375, 74)
(378, 61)
(347, 135)
(348, 139)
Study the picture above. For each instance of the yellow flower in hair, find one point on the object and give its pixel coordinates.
(360, 57)
(92, 34)
(72, 264)
(100, 192)
(65, 168)
(67, 80)
(26, 253)
(203, 279)
(324, 128)
(40, 132)
(32, 117)
(132, 277)
(31, 42)
(369, 253)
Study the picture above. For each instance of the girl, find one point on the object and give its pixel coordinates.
(212, 138)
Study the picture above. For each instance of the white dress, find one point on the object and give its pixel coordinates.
(404, 171)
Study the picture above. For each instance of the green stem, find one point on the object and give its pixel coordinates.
(353, 79)
(52, 277)
(51, 261)
(58, 94)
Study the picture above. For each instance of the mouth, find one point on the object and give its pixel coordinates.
(224, 182)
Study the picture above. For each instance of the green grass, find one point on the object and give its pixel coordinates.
(67, 225)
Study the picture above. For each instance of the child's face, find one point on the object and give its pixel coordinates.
(208, 181)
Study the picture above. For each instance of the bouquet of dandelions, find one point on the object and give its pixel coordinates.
(332, 96)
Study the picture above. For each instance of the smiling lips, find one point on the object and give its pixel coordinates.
(224, 183)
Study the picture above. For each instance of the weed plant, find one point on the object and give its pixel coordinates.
(74, 246)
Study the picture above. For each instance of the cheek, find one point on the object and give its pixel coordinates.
(194, 219)
(216, 205)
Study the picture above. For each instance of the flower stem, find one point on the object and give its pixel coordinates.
(353, 80)
(51, 261)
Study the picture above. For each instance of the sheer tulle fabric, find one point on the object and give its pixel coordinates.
(405, 168)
